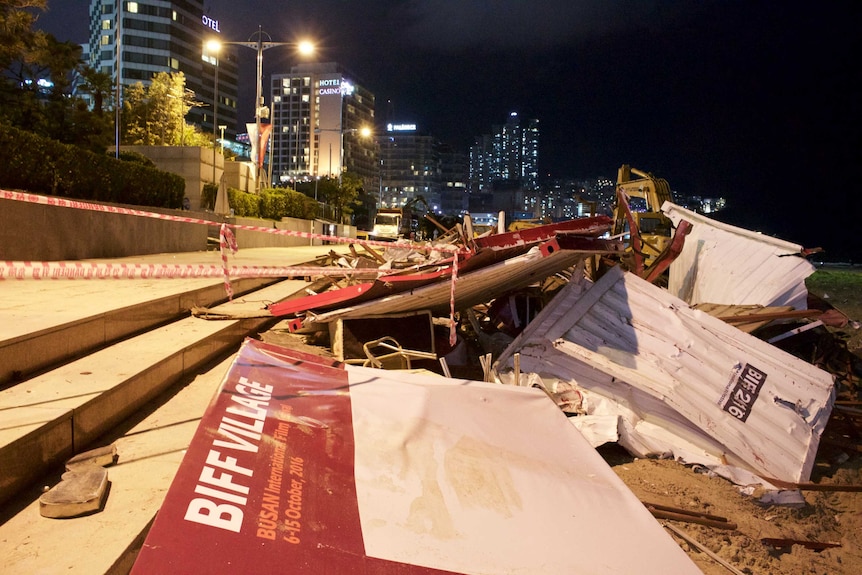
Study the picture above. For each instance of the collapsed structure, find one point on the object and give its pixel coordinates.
(654, 351)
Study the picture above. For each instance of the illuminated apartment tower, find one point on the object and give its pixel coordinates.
(510, 154)
(158, 36)
(317, 115)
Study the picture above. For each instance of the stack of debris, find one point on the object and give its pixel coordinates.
(685, 354)
(679, 371)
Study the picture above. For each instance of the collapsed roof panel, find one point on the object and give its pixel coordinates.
(480, 285)
(301, 465)
(724, 264)
(623, 336)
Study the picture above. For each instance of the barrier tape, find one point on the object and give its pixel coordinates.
(60, 202)
(226, 241)
(88, 271)
(79, 270)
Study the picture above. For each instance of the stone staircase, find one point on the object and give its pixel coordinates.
(139, 377)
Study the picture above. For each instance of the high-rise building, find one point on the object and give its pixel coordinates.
(409, 166)
(318, 117)
(509, 154)
(160, 36)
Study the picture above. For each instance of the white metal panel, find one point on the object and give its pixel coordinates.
(624, 337)
(725, 264)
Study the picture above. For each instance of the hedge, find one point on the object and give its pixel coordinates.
(270, 204)
(44, 166)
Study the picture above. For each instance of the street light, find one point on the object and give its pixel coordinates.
(260, 110)
(214, 47)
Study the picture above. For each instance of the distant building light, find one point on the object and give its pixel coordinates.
(400, 127)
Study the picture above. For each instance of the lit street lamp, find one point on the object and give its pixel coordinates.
(260, 110)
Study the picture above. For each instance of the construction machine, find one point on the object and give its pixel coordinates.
(638, 215)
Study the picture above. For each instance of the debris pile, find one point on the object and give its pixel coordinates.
(697, 342)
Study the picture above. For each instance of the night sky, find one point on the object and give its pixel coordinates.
(757, 101)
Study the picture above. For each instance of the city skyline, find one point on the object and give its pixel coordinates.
(729, 98)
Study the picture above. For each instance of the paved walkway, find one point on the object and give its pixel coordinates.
(30, 306)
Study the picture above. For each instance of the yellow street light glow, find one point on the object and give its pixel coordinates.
(213, 46)
(365, 132)
(306, 48)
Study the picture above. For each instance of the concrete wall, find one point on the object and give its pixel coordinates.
(36, 232)
(255, 239)
(193, 163)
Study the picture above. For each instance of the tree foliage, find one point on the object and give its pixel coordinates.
(342, 195)
(154, 115)
(38, 79)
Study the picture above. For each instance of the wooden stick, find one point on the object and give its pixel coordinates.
(684, 511)
(691, 519)
(691, 540)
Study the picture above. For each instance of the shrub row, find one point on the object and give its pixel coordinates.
(270, 204)
(44, 166)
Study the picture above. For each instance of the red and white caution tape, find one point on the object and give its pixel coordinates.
(227, 241)
(79, 270)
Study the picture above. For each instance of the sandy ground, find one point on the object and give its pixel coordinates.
(826, 517)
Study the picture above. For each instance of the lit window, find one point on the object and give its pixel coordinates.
(106, 24)
(132, 7)
(175, 64)
(106, 40)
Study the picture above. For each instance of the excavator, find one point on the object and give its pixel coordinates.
(638, 215)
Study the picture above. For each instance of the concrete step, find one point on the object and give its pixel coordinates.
(150, 449)
(142, 387)
(49, 418)
(78, 331)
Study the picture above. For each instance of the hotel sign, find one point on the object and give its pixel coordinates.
(335, 86)
(210, 23)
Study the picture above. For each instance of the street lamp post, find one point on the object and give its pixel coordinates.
(260, 110)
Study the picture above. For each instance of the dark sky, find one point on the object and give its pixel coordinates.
(754, 100)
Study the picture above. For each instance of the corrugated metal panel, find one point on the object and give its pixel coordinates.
(624, 336)
(724, 264)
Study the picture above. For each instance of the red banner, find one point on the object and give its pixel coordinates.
(267, 484)
(304, 466)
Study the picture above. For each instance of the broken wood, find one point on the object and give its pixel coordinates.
(767, 316)
(783, 543)
(676, 514)
(700, 546)
(80, 492)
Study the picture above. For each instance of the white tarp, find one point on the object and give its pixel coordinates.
(692, 384)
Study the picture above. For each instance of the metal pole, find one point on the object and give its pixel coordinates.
(215, 116)
(118, 97)
(257, 106)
